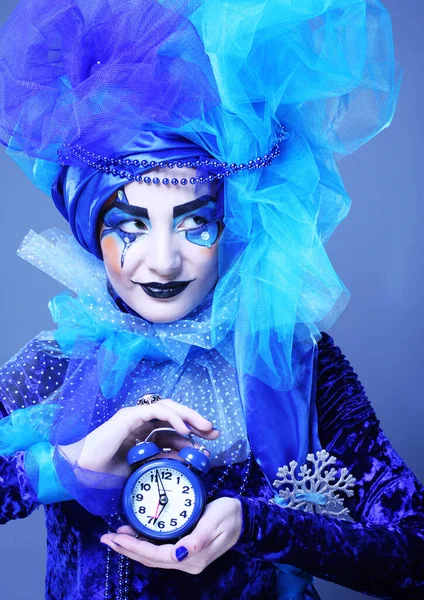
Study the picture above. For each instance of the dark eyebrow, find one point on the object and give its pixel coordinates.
(135, 211)
(182, 209)
(140, 211)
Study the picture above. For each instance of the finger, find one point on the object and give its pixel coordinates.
(198, 540)
(127, 529)
(155, 423)
(182, 418)
(206, 435)
(136, 417)
(145, 552)
(175, 420)
(114, 541)
(144, 430)
(162, 557)
(171, 439)
(120, 550)
(191, 416)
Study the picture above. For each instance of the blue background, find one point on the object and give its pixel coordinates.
(377, 252)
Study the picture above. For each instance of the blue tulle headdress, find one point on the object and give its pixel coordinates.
(95, 77)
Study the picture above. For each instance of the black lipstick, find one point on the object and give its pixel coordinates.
(164, 290)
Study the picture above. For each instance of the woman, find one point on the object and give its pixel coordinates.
(253, 370)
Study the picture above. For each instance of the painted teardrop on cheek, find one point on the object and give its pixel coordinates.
(112, 249)
(127, 239)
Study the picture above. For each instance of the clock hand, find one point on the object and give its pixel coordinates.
(163, 494)
(156, 511)
(163, 503)
(162, 485)
(159, 499)
(158, 480)
(163, 499)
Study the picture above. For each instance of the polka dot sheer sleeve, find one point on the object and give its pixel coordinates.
(27, 475)
(33, 375)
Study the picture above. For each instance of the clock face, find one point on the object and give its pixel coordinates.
(165, 497)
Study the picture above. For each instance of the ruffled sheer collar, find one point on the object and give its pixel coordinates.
(60, 256)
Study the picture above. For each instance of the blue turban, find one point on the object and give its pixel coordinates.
(79, 192)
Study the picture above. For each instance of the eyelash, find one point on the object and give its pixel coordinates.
(137, 222)
(203, 219)
(132, 221)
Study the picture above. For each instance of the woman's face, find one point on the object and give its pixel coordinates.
(160, 246)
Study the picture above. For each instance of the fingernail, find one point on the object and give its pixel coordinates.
(187, 425)
(116, 543)
(215, 429)
(181, 553)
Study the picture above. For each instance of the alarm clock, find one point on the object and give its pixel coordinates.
(164, 498)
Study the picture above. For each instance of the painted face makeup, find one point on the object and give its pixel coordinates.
(201, 226)
(160, 247)
(116, 221)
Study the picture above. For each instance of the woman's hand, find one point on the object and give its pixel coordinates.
(216, 532)
(105, 449)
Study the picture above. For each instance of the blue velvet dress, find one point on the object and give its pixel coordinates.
(381, 553)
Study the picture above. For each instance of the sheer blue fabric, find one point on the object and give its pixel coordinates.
(95, 75)
(42, 473)
(113, 358)
(29, 429)
(223, 77)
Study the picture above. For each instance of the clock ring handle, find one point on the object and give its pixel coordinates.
(195, 457)
(188, 436)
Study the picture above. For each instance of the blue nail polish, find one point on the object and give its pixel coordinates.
(188, 426)
(116, 544)
(215, 429)
(181, 553)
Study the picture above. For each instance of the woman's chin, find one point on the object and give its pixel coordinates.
(163, 310)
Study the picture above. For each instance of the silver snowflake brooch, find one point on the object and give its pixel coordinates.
(316, 491)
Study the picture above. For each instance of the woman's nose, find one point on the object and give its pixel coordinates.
(163, 254)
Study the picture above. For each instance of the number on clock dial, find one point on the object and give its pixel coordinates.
(147, 495)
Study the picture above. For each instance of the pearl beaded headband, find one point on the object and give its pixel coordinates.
(108, 164)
